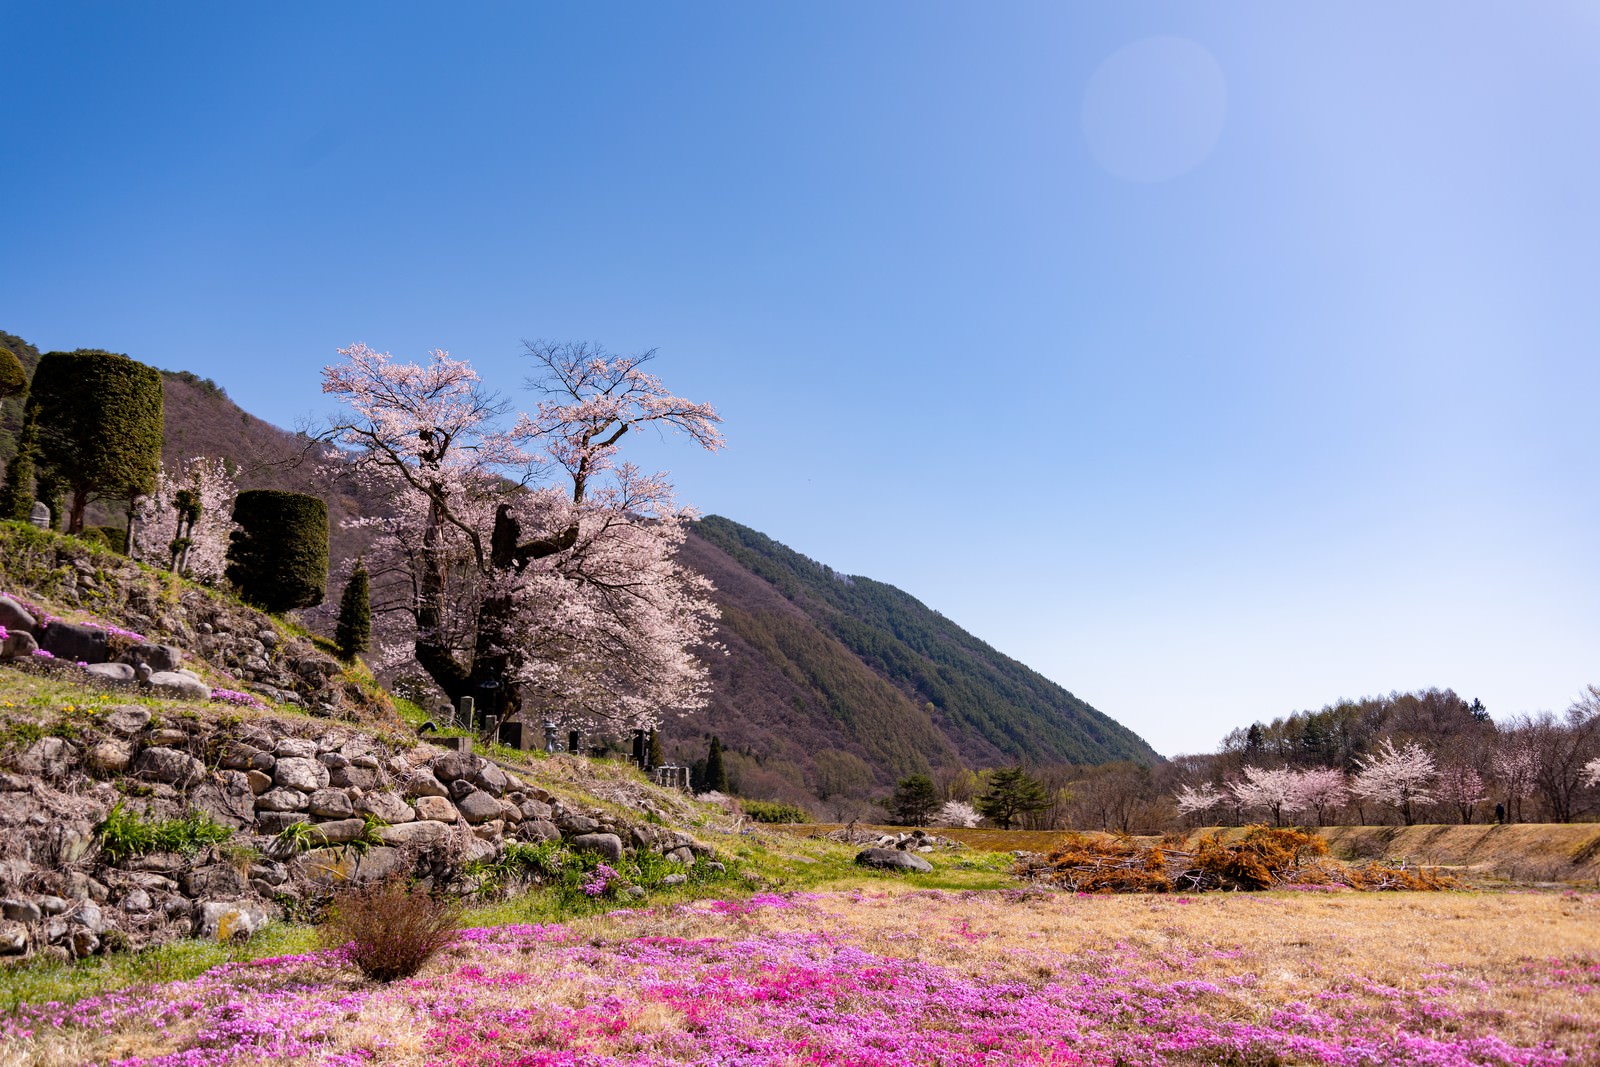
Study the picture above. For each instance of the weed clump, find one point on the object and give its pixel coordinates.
(124, 834)
(391, 929)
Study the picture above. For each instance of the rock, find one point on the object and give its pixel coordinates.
(576, 824)
(169, 765)
(461, 788)
(48, 757)
(259, 781)
(13, 783)
(493, 830)
(73, 641)
(52, 905)
(536, 809)
(111, 757)
(379, 863)
(331, 804)
(22, 911)
(115, 672)
(453, 766)
(81, 942)
(168, 738)
(538, 830)
(157, 657)
(295, 748)
(269, 871)
(276, 822)
(422, 783)
(180, 685)
(475, 851)
(136, 902)
(212, 880)
(607, 845)
(675, 879)
(228, 920)
(125, 720)
(332, 760)
(716, 868)
(228, 799)
(438, 808)
(90, 917)
(424, 832)
(237, 756)
(386, 806)
(491, 779)
(282, 800)
(683, 855)
(341, 831)
(300, 772)
(18, 643)
(15, 617)
(13, 939)
(892, 859)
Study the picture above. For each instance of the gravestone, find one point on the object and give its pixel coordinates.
(40, 515)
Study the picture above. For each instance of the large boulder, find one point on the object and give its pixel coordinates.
(607, 845)
(179, 685)
(18, 643)
(74, 641)
(453, 766)
(157, 657)
(422, 783)
(15, 617)
(478, 806)
(892, 859)
(228, 920)
(438, 808)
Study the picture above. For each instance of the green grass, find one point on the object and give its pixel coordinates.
(123, 833)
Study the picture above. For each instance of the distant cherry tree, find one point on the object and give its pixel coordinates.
(1401, 778)
(1591, 772)
(1272, 790)
(1515, 765)
(183, 526)
(1320, 789)
(1193, 801)
(533, 562)
(1461, 787)
(957, 813)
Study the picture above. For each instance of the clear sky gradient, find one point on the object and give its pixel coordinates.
(1216, 360)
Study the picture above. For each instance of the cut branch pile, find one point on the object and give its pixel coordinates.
(1264, 858)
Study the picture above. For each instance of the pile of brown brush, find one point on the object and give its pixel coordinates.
(1265, 858)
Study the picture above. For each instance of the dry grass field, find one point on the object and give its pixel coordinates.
(902, 976)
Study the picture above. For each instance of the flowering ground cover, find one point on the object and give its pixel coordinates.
(913, 977)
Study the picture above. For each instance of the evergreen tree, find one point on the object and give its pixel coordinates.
(716, 776)
(657, 759)
(13, 378)
(278, 557)
(914, 802)
(1012, 792)
(353, 633)
(16, 496)
(99, 424)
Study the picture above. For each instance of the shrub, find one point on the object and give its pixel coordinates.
(774, 811)
(278, 557)
(13, 376)
(391, 929)
(99, 423)
(16, 494)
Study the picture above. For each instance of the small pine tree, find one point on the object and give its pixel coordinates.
(656, 757)
(914, 802)
(716, 776)
(1012, 792)
(354, 630)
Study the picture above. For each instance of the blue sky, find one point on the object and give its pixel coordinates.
(1216, 360)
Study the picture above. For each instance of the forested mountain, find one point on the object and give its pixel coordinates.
(821, 662)
(832, 685)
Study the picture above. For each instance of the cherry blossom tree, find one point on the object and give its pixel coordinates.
(1515, 765)
(533, 563)
(1398, 777)
(1462, 788)
(1273, 790)
(1320, 789)
(1591, 772)
(957, 813)
(1194, 801)
(185, 523)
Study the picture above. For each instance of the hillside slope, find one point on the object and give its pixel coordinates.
(821, 660)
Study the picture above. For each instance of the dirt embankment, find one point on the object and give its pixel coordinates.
(1520, 852)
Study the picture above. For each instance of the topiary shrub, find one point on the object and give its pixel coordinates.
(13, 377)
(98, 420)
(278, 557)
(353, 633)
(775, 811)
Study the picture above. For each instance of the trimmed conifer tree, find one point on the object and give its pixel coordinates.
(716, 775)
(353, 632)
(278, 557)
(99, 422)
(13, 377)
(16, 494)
(657, 759)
